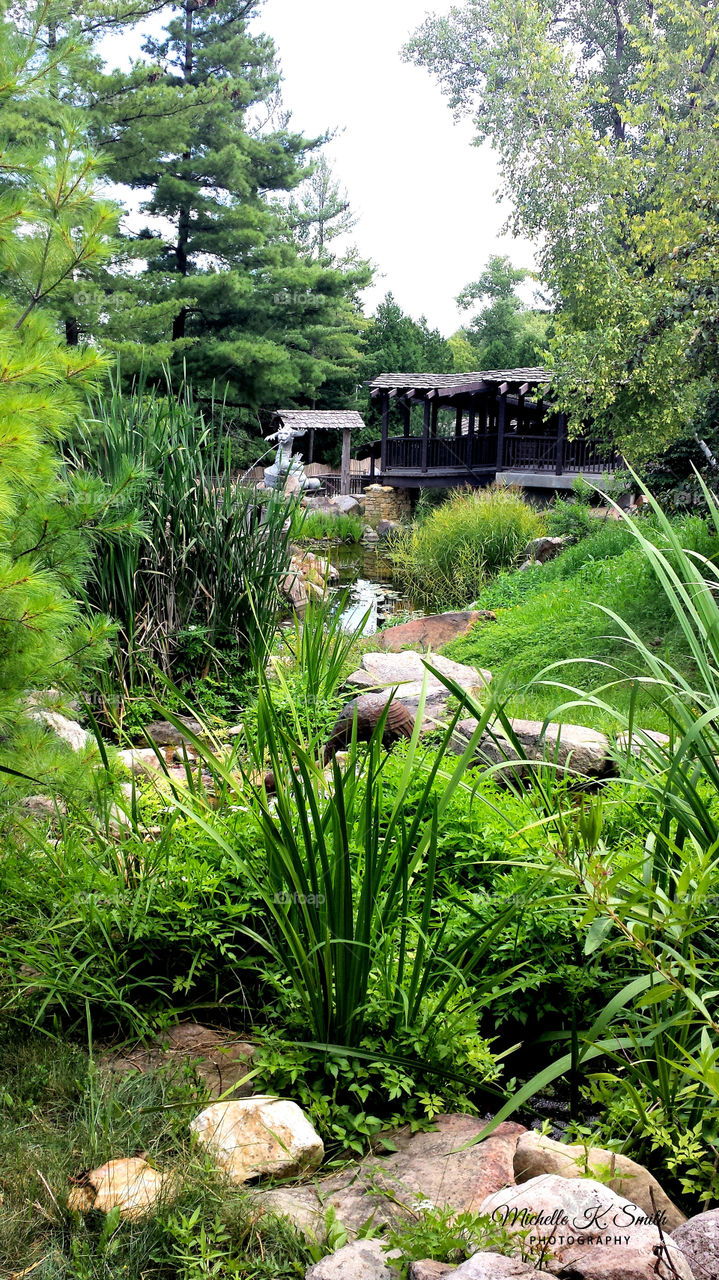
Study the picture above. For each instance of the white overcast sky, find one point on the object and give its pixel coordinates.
(424, 196)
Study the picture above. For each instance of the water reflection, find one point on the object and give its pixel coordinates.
(366, 573)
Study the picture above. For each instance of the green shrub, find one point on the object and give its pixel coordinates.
(445, 560)
(570, 519)
(318, 526)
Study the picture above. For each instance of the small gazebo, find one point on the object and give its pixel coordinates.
(302, 421)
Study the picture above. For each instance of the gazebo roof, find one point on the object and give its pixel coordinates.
(455, 383)
(319, 419)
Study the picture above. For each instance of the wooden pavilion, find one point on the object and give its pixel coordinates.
(475, 428)
(307, 421)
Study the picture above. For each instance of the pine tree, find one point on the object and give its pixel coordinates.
(227, 288)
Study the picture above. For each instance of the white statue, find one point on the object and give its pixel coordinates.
(287, 471)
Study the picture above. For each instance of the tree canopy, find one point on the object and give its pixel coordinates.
(604, 119)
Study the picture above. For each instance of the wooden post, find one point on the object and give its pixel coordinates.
(458, 423)
(311, 447)
(425, 432)
(371, 467)
(435, 416)
(345, 464)
(561, 437)
(385, 432)
(470, 437)
(406, 414)
(501, 418)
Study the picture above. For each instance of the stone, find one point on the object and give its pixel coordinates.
(428, 1270)
(132, 1186)
(586, 1230)
(537, 1154)
(402, 674)
(344, 504)
(385, 528)
(432, 1168)
(43, 806)
(254, 1137)
(307, 575)
(367, 710)
(219, 1058)
(539, 550)
(164, 734)
(361, 1260)
(496, 1266)
(572, 748)
(68, 731)
(432, 632)
(698, 1242)
(641, 741)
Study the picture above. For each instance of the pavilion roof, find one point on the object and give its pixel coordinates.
(455, 383)
(319, 419)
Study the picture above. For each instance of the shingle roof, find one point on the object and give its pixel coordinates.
(456, 381)
(319, 419)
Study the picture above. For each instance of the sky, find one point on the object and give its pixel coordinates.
(424, 196)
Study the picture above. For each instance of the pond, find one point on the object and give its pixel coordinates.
(366, 572)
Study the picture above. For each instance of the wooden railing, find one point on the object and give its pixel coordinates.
(479, 452)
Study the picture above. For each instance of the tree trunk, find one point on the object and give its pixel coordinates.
(179, 323)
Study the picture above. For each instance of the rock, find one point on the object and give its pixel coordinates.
(133, 1186)
(436, 1168)
(164, 734)
(141, 760)
(43, 806)
(539, 550)
(368, 709)
(405, 672)
(432, 632)
(66, 730)
(344, 504)
(308, 574)
(428, 1270)
(536, 1154)
(698, 1242)
(573, 748)
(528, 564)
(495, 1266)
(362, 1260)
(254, 1137)
(219, 1058)
(589, 1232)
(641, 741)
(385, 528)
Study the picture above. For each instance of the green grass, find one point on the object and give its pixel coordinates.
(550, 614)
(317, 526)
(61, 1114)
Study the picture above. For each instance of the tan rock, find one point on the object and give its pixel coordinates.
(432, 632)
(407, 671)
(570, 748)
(132, 1186)
(429, 1270)
(255, 1137)
(537, 1154)
(220, 1059)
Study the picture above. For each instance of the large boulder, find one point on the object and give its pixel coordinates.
(570, 748)
(698, 1241)
(429, 1270)
(433, 1168)
(404, 673)
(537, 1154)
(586, 1230)
(367, 711)
(307, 575)
(361, 1260)
(495, 1266)
(432, 632)
(164, 734)
(68, 731)
(254, 1137)
(539, 550)
(344, 505)
(132, 1186)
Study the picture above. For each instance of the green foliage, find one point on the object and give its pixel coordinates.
(570, 519)
(205, 577)
(317, 526)
(505, 334)
(445, 560)
(448, 1236)
(604, 120)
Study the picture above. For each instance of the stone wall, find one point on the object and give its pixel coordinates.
(381, 502)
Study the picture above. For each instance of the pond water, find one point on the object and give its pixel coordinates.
(366, 573)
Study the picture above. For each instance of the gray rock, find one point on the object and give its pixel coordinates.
(164, 734)
(43, 806)
(221, 1059)
(571, 748)
(68, 731)
(495, 1266)
(344, 504)
(698, 1241)
(361, 1260)
(404, 672)
(385, 528)
(587, 1230)
(539, 550)
(428, 1270)
(537, 1154)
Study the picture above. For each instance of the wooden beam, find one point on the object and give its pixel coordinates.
(458, 423)
(561, 437)
(435, 416)
(394, 393)
(345, 463)
(377, 391)
(504, 389)
(524, 388)
(431, 395)
(406, 415)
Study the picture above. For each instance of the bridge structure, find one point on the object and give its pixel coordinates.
(445, 430)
